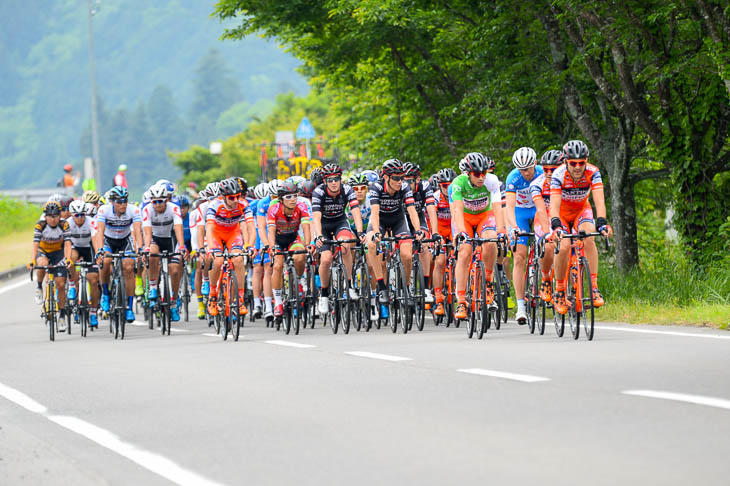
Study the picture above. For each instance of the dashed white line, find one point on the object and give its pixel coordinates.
(151, 461)
(13, 286)
(176, 329)
(290, 344)
(666, 333)
(20, 398)
(384, 357)
(681, 397)
(210, 334)
(504, 374)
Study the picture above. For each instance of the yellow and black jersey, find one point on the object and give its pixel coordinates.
(51, 238)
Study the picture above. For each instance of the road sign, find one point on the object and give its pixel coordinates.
(305, 129)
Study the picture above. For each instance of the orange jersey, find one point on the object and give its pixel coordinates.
(574, 194)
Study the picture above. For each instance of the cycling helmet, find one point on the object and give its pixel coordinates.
(169, 185)
(286, 187)
(261, 190)
(229, 187)
(158, 192)
(316, 176)
(575, 149)
(243, 184)
(524, 158)
(371, 175)
(77, 207)
(551, 158)
(297, 179)
(52, 208)
(474, 162)
(306, 188)
(184, 201)
(330, 170)
(91, 197)
(359, 180)
(212, 189)
(445, 175)
(68, 167)
(412, 169)
(392, 166)
(274, 187)
(90, 209)
(490, 162)
(118, 192)
(66, 201)
(55, 197)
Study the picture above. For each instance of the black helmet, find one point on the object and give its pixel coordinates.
(575, 149)
(330, 170)
(243, 184)
(412, 169)
(316, 176)
(229, 187)
(287, 187)
(551, 158)
(306, 188)
(52, 208)
(446, 175)
(475, 162)
(392, 167)
(490, 162)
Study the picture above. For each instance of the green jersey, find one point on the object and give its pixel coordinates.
(477, 200)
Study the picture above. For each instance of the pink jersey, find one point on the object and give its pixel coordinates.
(287, 225)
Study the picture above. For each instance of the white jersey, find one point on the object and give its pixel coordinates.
(118, 226)
(161, 223)
(81, 235)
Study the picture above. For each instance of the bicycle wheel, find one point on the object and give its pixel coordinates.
(343, 300)
(84, 321)
(358, 277)
(51, 309)
(225, 323)
(531, 294)
(559, 322)
(288, 311)
(419, 295)
(295, 299)
(395, 310)
(541, 316)
(234, 311)
(165, 306)
(186, 292)
(470, 303)
(573, 314)
(481, 309)
(404, 300)
(501, 310)
(586, 296)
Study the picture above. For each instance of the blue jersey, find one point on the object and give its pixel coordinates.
(517, 184)
(262, 208)
(364, 214)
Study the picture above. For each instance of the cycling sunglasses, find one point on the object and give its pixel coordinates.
(232, 197)
(445, 184)
(396, 178)
(159, 201)
(363, 187)
(410, 181)
(288, 197)
(79, 215)
(121, 200)
(333, 179)
(577, 162)
(479, 173)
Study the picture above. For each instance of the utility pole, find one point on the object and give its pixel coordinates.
(94, 116)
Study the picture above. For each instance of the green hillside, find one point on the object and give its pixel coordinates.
(152, 59)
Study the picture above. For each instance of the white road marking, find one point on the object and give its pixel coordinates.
(681, 397)
(20, 398)
(14, 286)
(504, 374)
(151, 461)
(175, 329)
(667, 333)
(138, 324)
(210, 334)
(291, 344)
(384, 357)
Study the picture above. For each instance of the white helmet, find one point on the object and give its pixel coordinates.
(274, 186)
(524, 158)
(261, 190)
(90, 209)
(212, 189)
(146, 196)
(158, 191)
(77, 207)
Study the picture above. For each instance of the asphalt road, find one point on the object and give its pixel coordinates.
(365, 408)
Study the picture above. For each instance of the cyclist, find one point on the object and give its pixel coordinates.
(262, 209)
(119, 230)
(316, 176)
(390, 199)
(520, 215)
(471, 196)
(360, 184)
(283, 220)
(330, 223)
(51, 246)
(262, 258)
(92, 197)
(163, 231)
(540, 192)
(424, 203)
(223, 230)
(570, 187)
(82, 229)
(185, 215)
(443, 179)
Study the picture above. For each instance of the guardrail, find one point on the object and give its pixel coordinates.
(35, 196)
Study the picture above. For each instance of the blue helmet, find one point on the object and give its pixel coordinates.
(118, 192)
(371, 175)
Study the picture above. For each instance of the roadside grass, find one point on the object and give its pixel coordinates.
(667, 289)
(16, 231)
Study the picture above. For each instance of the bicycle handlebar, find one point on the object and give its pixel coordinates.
(580, 235)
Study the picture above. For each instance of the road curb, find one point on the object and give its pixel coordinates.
(12, 273)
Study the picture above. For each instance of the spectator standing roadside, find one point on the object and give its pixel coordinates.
(69, 181)
(120, 179)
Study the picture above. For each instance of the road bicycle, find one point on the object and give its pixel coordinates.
(361, 281)
(399, 304)
(417, 288)
(532, 281)
(311, 294)
(292, 301)
(579, 292)
(230, 305)
(501, 291)
(118, 295)
(80, 306)
(185, 291)
(50, 299)
(340, 305)
(449, 286)
(162, 306)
